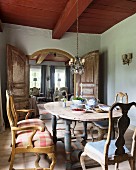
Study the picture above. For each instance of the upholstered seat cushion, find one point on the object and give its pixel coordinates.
(30, 122)
(98, 148)
(40, 139)
(102, 124)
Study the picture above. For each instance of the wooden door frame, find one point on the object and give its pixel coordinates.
(53, 50)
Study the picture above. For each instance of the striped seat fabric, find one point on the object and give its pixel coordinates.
(40, 139)
(30, 122)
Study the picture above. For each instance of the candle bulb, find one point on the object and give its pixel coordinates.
(76, 89)
(83, 60)
(81, 85)
(71, 60)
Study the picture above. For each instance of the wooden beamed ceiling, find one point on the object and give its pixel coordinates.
(69, 16)
(95, 16)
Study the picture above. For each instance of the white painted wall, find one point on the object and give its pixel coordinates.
(119, 40)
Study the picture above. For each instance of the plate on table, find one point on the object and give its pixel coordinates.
(104, 108)
(80, 111)
(98, 110)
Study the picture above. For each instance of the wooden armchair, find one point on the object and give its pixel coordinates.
(112, 151)
(60, 94)
(102, 126)
(35, 91)
(29, 135)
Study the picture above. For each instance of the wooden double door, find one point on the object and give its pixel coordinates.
(18, 76)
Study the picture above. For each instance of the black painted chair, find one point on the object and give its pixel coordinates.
(112, 151)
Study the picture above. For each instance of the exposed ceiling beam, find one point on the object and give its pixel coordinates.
(1, 26)
(69, 16)
(41, 57)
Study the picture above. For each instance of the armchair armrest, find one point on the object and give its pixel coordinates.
(28, 111)
(30, 138)
(28, 128)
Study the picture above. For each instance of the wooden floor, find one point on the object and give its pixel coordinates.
(27, 160)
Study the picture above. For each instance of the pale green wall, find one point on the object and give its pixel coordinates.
(119, 40)
(30, 39)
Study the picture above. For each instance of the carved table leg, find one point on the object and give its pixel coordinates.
(68, 145)
(54, 124)
(85, 133)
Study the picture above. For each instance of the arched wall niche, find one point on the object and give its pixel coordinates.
(47, 55)
(43, 54)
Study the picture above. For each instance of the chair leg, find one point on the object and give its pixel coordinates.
(11, 160)
(82, 160)
(73, 128)
(105, 167)
(101, 134)
(116, 166)
(91, 133)
(132, 164)
(37, 160)
(53, 157)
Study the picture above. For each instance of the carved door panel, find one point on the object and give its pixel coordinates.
(89, 79)
(18, 77)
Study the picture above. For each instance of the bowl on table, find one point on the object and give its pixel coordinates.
(78, 100)
(77, 106)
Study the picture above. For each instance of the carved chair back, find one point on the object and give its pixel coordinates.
(11, 111)
(122, 125)
(121, 97)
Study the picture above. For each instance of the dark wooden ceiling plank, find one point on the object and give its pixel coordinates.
(95, 21)
(91, 30)
(123, 4)
(101, 21)
(1, 26)
(90, 27)
(27, 16)
(101, 17)
(109, 8)
(42, 19)
(69, 16)
(26, 22)
(29, 12)
(103, 12)
(34, 4)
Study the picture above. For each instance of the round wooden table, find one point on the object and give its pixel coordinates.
(58, 111)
